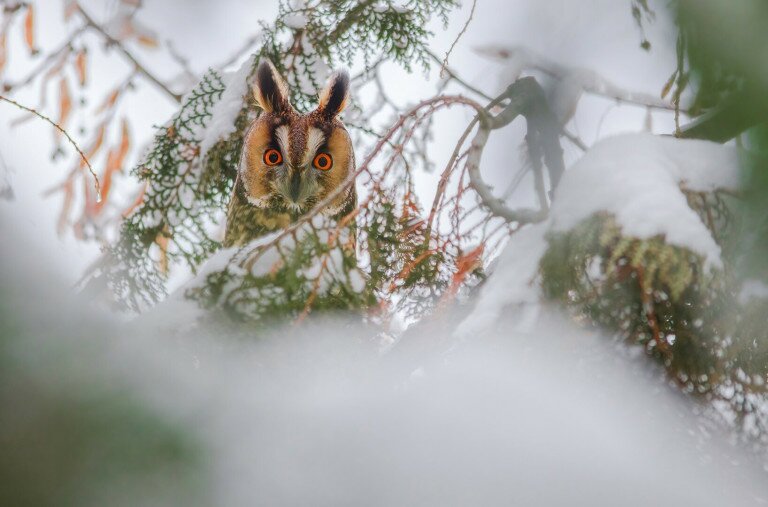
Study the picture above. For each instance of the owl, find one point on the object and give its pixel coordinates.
(290, 161)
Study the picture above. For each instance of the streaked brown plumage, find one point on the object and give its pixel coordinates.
(290, 161)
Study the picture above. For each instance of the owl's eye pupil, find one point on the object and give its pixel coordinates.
(323, 161)
(272, 157)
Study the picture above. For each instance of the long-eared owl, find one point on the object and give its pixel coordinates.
(290, 161)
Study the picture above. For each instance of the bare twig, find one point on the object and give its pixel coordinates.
(180, 59)
(71, 141)
(111, 41)
(453, 75)
(456, 40)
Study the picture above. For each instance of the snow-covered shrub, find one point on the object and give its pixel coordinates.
(640, 242)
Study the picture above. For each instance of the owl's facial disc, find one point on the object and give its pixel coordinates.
(298, 187)
(290, 160)
(293, 180)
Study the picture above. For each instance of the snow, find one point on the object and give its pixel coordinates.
(751, 290)
(635, 177)
(312, 414)
(512, 283)
(382, 7)
(570, 82)
(356, 280)
(312, 69)
(295, 20)
(225, 111)
(638, 178)
(180, 312)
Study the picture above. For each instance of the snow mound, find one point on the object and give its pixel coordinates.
(511, 283)
(638, 178)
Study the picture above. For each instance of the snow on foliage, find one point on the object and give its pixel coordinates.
(273, 273)
(224, 112)
(639, 180)
(511, 283)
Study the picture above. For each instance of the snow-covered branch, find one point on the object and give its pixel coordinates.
(571, 82)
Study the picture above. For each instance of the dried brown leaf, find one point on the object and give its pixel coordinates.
(106, 180)
(138, 201)
(96, 144)
(109, 101)
(89, 202)
(81, 66)
(65, 104)
(162, 242)
(125, 144)
(468, 263)
(70, 7)
(147, 41)
(29, 29)
(115, 162)
(3, 53)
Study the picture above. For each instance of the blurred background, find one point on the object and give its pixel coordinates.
(498, 399)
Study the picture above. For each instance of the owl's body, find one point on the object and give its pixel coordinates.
(290, 162)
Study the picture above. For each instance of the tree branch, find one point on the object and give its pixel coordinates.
(111, 41)
(525, 98)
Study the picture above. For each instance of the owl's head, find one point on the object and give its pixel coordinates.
(291, 161)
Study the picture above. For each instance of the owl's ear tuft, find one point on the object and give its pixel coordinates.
(270, 91)
(333, 98)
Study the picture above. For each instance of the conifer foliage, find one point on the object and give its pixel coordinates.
(190, 169)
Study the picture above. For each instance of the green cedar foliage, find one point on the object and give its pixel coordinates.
(180, 218)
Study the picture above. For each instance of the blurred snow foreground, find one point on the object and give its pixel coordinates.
(522, 407)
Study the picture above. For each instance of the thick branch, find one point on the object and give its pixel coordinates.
(493, 203)
(526, 98)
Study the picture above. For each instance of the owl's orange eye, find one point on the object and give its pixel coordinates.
(323, 161)
(272, 157)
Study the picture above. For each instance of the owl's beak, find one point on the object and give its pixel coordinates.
(295, 187)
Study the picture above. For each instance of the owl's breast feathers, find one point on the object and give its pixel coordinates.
(246, 222)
